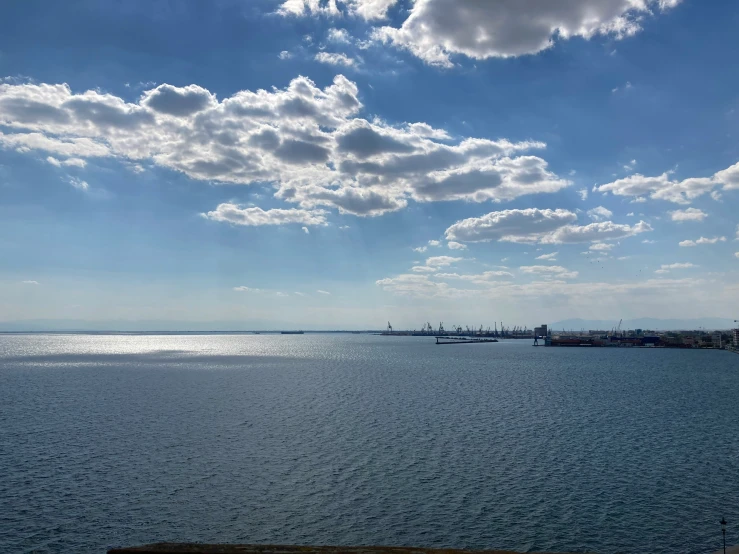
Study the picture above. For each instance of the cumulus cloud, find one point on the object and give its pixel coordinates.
(660, 188)
(533, 225)
(702, 240)
(254, 216)
(79, 184)
(306, 230)
(175, 101)
(421, 249)
(600, 213)
(29, 282)
(691, 214)
(663, 187)
(69, 162)
(729, 177)
(436, 29)
(441, 261)
(549, 271)
(366, 9)
(308, 142)
(334, 58)
(528, 225)
(484, 277)
(338, 35)
(583, 194)
(666, 268)
(604, 230)
(456, 245)
(601, 247)
(552, 257)
(285, 55)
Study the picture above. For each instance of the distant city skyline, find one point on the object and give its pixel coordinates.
(338, 164)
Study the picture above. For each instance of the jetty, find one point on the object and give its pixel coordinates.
(461, 340)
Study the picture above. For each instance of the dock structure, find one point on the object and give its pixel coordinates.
(461, 340)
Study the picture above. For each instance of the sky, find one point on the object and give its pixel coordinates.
(345, 163)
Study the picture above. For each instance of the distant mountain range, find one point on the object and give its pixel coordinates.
(645, 323)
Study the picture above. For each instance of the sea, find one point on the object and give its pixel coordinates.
(344, 439)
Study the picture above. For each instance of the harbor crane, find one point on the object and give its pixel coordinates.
(389, 328)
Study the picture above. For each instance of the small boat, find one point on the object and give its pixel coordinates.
(291, 332)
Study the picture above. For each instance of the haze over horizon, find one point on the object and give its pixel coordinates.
(338, 164)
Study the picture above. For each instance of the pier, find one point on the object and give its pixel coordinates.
(461, 340)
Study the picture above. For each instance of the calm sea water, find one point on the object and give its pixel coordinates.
(327, 439)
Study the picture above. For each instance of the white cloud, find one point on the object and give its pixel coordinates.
(534, 225)
(285, 55)
(691, 214)
(629, 166)
(549, 271)
(702, 240)
(600, 213)
(79, 184)
(306, 230)
(435, 243)
(601, 247)
(238, 215)
(686, 265)
(70, 162)
(421, 249)
(528, 225)
(736, 254)
(300, 294)
(247, 289)
(456, 245)
(729, 177)
(660, 188)
(323, 292)
(485, 277)
(29, 282)
(423, 269)
(305, 141)
(647, 241)
(663, 187)
(630, 214)
(281, 294)
(604, 230)
(366, 9)
(441, 261)
(436, 29)
(334, 58)
(583, 194)
(548, 257)
(338, 35)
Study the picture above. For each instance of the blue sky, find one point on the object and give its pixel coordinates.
(339, 164)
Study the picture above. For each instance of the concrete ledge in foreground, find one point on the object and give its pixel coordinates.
(173, 548)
